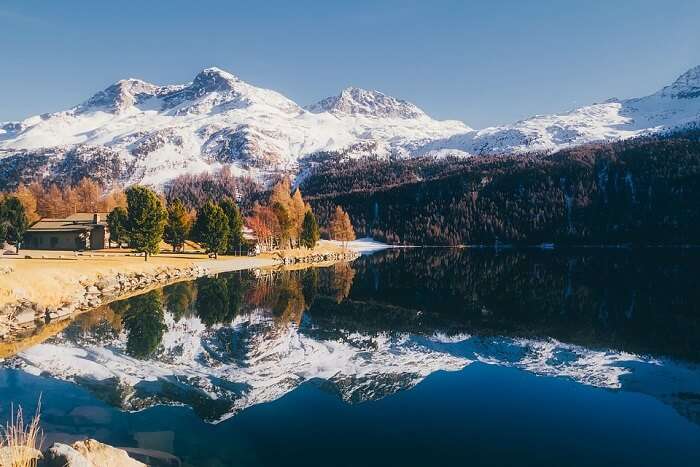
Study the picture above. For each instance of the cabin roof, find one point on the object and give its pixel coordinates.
(78, 222)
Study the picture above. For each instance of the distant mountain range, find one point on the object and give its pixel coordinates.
(138, 132)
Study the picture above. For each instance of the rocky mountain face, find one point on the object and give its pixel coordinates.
(138, 132)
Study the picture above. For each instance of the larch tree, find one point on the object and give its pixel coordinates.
(341, 226)
(88, 193)
(298, 210)
(29, 202)
(211, 229)
(282, 205)
(146, 220)
(117, 221)
(264, 224)
(285, 223)
(52, 203)
(235, 224)
(71, 203)
(113, 199)
(310, 233)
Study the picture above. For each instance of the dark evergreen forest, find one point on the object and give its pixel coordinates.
(641, 191)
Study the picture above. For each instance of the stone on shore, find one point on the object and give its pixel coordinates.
(88, 453)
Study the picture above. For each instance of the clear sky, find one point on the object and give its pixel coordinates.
(483, 62)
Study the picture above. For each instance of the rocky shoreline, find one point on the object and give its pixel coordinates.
(319, 257)
(23, 316)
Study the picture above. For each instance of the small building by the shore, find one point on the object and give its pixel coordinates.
(77, 232)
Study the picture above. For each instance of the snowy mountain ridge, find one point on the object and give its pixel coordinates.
(138, 132)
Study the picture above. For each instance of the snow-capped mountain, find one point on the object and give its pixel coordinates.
(675, 106)
(138, 132)
(360, 102)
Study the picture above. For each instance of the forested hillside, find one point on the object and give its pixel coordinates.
(638, 191)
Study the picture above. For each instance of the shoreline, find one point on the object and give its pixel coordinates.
(45, 290)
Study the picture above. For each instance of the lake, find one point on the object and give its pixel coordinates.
(413, 357)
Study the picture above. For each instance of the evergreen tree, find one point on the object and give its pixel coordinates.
(235, 224)
(178, 227)
(211, 229)
(117, 222)
(310, 233)
(13, 220)
(146, 220)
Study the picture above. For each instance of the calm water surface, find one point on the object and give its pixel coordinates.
(406, 357)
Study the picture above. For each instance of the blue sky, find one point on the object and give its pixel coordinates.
(484, 62)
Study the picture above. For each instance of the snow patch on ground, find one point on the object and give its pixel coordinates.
(365, 245)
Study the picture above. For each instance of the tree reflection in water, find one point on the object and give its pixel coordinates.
(144, 324)
(643, 302)
(180, 299)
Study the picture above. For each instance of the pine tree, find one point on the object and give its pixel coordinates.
(235, 225)
(310, 233)
(13, 219)
(146, 220)
(211, 229)
(178, 227)
(117, 222)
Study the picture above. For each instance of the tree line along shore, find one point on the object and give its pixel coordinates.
(37, 287)
(142, 219)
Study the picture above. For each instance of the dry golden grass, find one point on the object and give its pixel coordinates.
(20, 443)
(50, 282)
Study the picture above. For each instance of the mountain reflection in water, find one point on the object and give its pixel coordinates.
(610, 318)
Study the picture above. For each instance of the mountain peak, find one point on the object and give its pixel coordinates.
(687, 86)
(358, 101)
(214, 79)
(120, 95)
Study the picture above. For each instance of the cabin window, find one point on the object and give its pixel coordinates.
(54, 242)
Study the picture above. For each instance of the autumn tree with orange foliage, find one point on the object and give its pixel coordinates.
(264, 223)
(29, 202)
(340, 227)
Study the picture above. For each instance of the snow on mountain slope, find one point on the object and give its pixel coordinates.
(674, 106)
(160, 132)
(153, 133)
